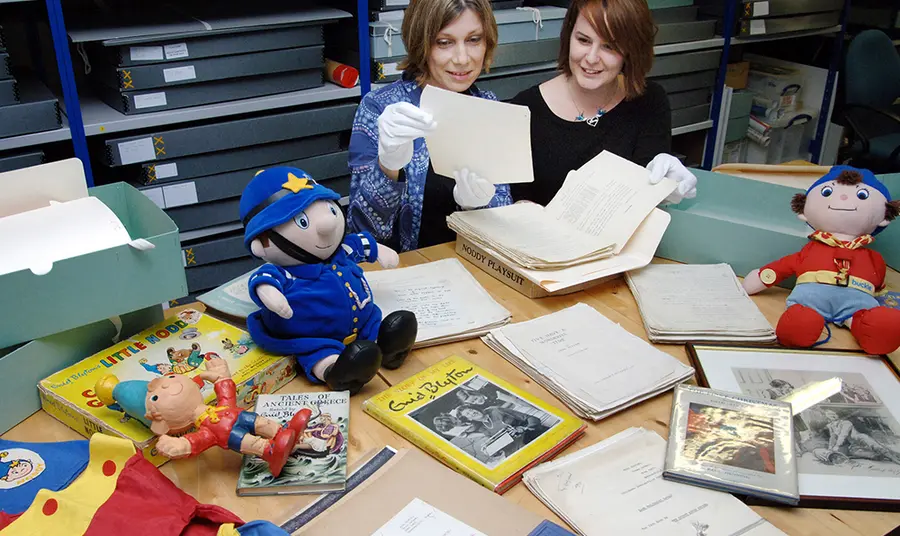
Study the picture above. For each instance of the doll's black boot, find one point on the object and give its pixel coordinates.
(357, 364)
(396, 337)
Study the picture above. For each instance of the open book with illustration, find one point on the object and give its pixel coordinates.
(593, 216)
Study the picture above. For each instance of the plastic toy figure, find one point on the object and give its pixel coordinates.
(173, 404)
(837, 277)
(314, 300)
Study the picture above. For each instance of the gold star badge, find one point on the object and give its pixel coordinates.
(295, 184)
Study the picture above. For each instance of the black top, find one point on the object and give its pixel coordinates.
(437, 204)
(638, 130)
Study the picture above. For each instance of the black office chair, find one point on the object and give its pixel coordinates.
(872, 110)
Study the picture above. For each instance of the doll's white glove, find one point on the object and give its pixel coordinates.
(387, 257)
(398, 125)
(274, 301)
(472, 191)
(667, 166)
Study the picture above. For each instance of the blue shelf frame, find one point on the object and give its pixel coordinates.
(70, 91)
(815, 145)
(716, 107)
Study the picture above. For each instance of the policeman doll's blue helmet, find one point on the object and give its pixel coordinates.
(276, 195)
(868, 178)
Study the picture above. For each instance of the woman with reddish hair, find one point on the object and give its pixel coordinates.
(601, 100)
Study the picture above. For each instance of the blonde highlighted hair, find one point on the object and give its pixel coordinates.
(424, 20)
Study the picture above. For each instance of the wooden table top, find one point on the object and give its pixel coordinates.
(211, 477)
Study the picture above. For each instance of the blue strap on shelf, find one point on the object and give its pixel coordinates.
(365, 62)
(727, 31)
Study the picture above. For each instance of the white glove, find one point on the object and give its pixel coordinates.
(667, 166)
(387, 257)
(274, 301)
(398, 125)
(472, 191)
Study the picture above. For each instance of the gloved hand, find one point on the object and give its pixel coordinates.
(472, 191)
(387, 257)
(667, 166)
(398, 125)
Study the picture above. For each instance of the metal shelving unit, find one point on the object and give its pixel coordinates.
(99, 118)
(828, 100)
(703, 125)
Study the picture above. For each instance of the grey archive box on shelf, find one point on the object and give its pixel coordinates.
(224, 135)
(771, 8)
(680, 32)
(674, 14)
(232, 183)
(513, 26)
(5, 66)
(688, 62)
(509, 55)
(170, 98)
(257, 156)
(212, 250)
(795, 23)
(689, 116)
(211, 46)
(192, 217)
(507, 87)
(210, 69)
(212, 275)
(687, 82)
(9, 92)
(687, 99)
(22, 160)
(199, 216)
(37, 111)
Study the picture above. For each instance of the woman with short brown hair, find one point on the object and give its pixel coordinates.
(394, 192)
(602, 100)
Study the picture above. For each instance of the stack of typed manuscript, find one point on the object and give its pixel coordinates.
(696, 302)
(587, 361)
(602, 222)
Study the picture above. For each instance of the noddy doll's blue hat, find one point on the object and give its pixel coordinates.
(129, 396)
(868, 178)
(276, 195)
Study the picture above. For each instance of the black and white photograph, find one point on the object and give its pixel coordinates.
(485, 421)
(850, 433)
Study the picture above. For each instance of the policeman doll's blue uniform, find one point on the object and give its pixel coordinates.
(333, 310)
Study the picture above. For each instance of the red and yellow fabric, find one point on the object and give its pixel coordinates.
(830, 261)
(120, 493)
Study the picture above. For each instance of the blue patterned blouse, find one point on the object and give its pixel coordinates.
(392, 210)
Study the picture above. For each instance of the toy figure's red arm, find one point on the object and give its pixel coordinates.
(880, 269)
(226, 393)
(200, 440)
(777, 271)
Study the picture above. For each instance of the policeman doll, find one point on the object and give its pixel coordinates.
(314, 300)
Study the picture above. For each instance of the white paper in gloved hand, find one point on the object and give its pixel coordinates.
(398, 126)
(667, 166)
(472, 191)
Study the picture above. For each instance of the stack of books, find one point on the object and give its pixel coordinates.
(589, 362)
(603, 221)
(696, 302)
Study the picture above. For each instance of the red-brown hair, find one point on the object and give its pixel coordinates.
(624, 24)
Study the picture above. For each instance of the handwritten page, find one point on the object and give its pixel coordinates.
(447, 300)
(490, 138)
(682, 301)
(616, 487)
(608, 197)
(590, 362)
(419, 518)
